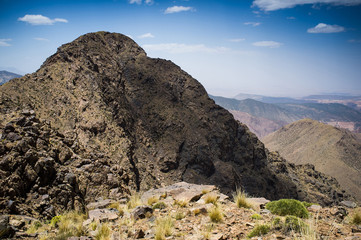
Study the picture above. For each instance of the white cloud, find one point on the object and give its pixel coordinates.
(272, 5)
(270, 44)
(41, 39)
(325, 28)
(354, 41)
(149, 2)
(254, 24)
(146, 35)
(40, 20)
(291, 18)
(182, 48)
(176, 9)
(135, 1)
(237, 39)
(4, 42)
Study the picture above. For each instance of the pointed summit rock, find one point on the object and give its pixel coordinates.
(121, 121)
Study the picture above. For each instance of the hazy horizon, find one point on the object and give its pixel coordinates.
(272, 48)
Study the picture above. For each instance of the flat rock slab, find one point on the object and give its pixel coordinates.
(180, 191)
(348, 204)
(258, 202)
(103, 214)
(99, 204)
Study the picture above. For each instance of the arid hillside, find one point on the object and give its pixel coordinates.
(333, 151)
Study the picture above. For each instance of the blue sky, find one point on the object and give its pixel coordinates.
(270, 47)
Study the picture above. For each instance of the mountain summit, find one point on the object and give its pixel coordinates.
(101, 119)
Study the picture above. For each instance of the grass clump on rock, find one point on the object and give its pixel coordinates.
(211, 198)
(159, 205)
(285, 207)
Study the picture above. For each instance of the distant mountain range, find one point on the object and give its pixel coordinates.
(282, 113)
(333, 151)
(6, 76)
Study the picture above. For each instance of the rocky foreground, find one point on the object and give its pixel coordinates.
(187, 211)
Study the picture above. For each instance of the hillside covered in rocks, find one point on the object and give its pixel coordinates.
(101, 119)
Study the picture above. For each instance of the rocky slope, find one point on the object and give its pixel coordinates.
(6, 76)
(192, 212)
(117, 121)
(333, 151)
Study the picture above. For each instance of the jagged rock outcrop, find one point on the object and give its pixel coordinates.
(136, 123)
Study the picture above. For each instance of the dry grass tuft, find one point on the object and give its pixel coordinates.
(216, 214)
(240, 198)
(103, 232)
(134, 201)
(164, 228)
(211, 198)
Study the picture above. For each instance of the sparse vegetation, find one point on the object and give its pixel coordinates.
(256, 216)
(259, 230)
(103, 232)
(54, 221)
(205, 191)
(295, 224)
(356, 218)
(134, 201)
(164, 228)
(152, 200)
(240, 198)
(71, 224)
(34, 227)
(285, 207)
(277, 223)
(117, 206)
(179, 216)
(211, 198)
(216, 214)
(159, 205)
(182, 203)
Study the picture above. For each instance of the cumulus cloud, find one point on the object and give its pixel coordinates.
(325, 28)
(146, 35)
(182, 48)
(41, 39)
(254, 24)
(270, 44)
(176, 9)
(272, 5)
(4, 42)
(40, 20)
(237, 39)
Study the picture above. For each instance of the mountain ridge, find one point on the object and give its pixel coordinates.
(121, 121)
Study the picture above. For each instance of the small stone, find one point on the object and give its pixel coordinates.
(314, 208)
(99, 204)
(141, 212)
(348, 204)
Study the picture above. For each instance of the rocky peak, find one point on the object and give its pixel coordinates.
(140, 123)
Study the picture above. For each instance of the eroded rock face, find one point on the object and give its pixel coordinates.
(124, 122)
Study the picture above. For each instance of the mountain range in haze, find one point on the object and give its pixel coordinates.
(6, 76)
(285, 110)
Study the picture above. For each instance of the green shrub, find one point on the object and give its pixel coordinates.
(293, 223)
(277, 223)
(159, 205)
(285, 207)
(259, 230)
(256, 216)
(179, 216)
